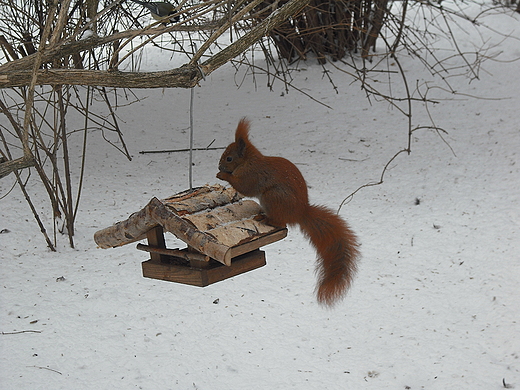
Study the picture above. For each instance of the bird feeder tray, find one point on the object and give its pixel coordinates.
(222, 230)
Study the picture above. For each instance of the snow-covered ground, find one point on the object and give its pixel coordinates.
(436, 302)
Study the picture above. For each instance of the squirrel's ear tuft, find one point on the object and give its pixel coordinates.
(241, 147)
(242, 132)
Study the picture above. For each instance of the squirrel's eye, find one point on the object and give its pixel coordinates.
(229, 158)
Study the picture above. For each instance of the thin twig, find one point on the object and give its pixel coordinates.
(179, 150)
(381, 180)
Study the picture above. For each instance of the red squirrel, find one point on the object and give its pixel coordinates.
(282, 192)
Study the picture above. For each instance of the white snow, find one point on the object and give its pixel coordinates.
(435, 304)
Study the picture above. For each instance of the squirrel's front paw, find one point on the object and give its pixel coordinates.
(268, 221)
(260, 217)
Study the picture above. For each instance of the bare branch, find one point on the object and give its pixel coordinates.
(184, 77)
(13, 165)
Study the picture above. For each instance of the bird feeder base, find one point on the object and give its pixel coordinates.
(209, 273)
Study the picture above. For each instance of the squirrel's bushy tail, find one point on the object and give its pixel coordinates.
(337, 249)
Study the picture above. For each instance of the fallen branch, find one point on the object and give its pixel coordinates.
(46, 368)
(22, 331)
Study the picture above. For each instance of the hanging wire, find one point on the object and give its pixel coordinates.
(191, 139)
(192, 94)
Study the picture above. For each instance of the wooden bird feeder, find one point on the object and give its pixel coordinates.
(223, 233)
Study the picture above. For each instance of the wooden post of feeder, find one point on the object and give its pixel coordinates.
(155, 238)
